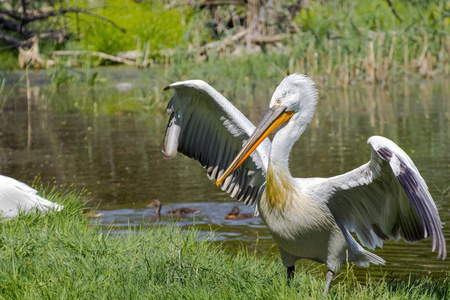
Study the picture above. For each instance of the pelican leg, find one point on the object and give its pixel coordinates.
(290, 274)
(330, 277)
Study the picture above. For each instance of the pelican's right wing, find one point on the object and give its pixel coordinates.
(205, 126)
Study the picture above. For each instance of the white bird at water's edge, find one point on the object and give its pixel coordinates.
(16, 197)
(386, 198)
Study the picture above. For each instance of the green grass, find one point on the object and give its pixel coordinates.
(62, 255)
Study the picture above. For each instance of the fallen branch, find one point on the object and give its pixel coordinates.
(95, 53)
(221, 44)
(16, 43)
(258, 38)
(10, 39)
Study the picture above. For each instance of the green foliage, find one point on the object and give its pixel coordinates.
(143, 23)
(8, 60)
(338, 18)
(339, 42)
(350, 24)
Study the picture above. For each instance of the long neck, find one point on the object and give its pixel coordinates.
(285, 139)
(280, 186)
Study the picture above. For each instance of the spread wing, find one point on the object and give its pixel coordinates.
(205, 126)
(385, 198)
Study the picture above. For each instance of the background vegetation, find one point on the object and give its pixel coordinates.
(144, 22)
(339, 40)
(63, 255)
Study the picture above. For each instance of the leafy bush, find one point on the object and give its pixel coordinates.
(143, 22)
(8, 60)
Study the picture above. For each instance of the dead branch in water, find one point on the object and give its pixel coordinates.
(96, 53)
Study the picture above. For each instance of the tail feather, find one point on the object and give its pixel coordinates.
(364, 258)
(45, 205)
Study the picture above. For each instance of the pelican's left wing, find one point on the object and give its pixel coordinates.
(205, 126)
(385, 198)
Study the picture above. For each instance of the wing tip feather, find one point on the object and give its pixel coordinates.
(188, 140)
(169, 155)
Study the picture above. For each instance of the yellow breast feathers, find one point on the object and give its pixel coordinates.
(280, 187)
(284, 196)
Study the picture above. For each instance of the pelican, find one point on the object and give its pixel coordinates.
(16, 197)
(385, 198)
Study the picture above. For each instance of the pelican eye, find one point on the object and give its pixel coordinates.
(278, 101)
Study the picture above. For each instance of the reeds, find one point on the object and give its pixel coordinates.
(380, 58)
(335, 42)
(339, 43)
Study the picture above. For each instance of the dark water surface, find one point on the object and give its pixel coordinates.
(107, 140)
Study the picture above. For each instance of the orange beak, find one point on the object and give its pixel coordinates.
(274, 118)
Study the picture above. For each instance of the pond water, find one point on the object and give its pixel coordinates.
(107, 139)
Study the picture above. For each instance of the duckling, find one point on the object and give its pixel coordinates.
(175, 212)
(235, 215)
(88, 212)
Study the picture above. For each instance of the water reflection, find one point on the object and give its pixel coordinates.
(108, 141)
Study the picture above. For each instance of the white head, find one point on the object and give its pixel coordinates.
(298, 93)
(291, 109)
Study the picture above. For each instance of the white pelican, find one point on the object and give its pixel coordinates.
(312, 218)
(16, 196)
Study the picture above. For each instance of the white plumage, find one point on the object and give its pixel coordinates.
(16, 197)
(312, 218)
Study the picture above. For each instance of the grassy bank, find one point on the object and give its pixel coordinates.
(62, 256)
